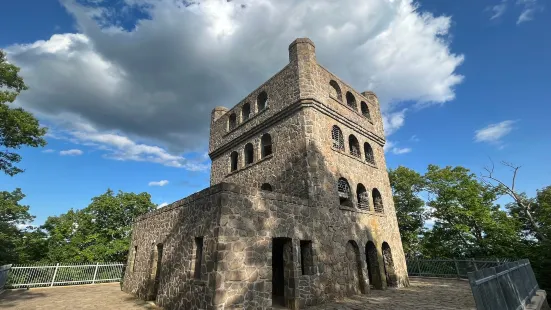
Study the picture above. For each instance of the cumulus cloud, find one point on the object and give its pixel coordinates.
(158, 81)
(493, 133)
(48, 151)
(71, 152)
(164, 204)
(158, 183)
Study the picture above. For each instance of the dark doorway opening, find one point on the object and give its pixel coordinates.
(281, 258)
(373, 271)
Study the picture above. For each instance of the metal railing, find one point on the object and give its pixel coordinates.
(448, 268)
(506, 287)
(63, 274)
(4, 276)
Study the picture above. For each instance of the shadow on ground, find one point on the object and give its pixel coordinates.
(11, 298)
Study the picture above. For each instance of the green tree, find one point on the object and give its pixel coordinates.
(410, 208)
(17, 126)
(12, 214)
(468, 222)
(99, 232)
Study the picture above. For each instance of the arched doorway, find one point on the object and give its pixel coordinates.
(354, 283)
(373, 270)
(391, 280)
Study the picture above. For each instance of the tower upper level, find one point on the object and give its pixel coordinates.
(302, 82)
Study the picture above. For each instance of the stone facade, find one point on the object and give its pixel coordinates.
(298, 212)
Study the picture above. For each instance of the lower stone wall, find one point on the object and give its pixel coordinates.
(175, 284)
(259, 249)
(252, 225)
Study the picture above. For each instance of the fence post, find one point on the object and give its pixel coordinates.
(456, 268)
(95, 273)
(55, 273)
(474, 264)
(418, 267)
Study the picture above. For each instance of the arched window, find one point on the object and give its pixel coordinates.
(234, 160)
(354, 146)
(246, 112)
(338, 139)
(344, 192)
(351, 100)
(363, 197)
(232, 123)
(369, 157)
(266, 143)
(266, 187)
(335, 90)
(249, 153)
(365, 110)
(377, 201)
(261, 101)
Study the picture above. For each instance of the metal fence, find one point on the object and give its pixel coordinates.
(4, 275)
(506, 287)
(449, 268)
(63, 274)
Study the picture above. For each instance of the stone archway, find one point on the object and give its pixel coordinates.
(373, 270)
(353, 269)
(390, 273)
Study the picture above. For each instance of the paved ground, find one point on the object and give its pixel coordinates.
(94, 296)
(422, 294)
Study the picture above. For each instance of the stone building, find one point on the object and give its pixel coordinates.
(299, 210)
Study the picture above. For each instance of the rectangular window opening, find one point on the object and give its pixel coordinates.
(134, 258)
(306, 257)
(198, 257)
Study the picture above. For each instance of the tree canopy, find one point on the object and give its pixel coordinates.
(17, 126)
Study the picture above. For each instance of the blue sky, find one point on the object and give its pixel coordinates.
(126, 87)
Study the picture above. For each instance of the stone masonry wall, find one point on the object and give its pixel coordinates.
(175, 227)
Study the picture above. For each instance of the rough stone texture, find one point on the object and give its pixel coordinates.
(252, 238)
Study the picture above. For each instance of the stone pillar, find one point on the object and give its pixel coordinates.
(303, 50)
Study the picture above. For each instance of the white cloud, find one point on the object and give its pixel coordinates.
(393, 121)
(158, 183)
(399, 151)
(72, 152)
(164, 204)
(414, 138)
(158, 81)
(529, 9)
(493, 133)
(498, 9)
(48, 151)
(391, 147)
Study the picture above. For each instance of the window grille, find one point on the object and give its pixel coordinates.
(369, 157)
(338, 140)
(363, 197)
(354, 146)
(377, 201)
(343, 188)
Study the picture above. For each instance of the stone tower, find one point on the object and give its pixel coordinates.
(299, 210)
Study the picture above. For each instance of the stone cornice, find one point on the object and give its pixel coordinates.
(290, 110)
